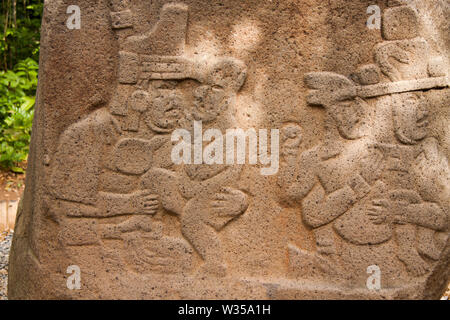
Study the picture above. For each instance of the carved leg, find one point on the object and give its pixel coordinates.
(325, 240)
(426, 244)
(203, 238)
(326, 257)
(407, 252)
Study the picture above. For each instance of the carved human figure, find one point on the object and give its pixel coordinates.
(347, 191)
(330, 178)
(91, 175)
(87, 147)
(368, 198)
(415, 220)
(113, 161)
(207, 198)
(134, 175)
(161, 109)
(406, 56)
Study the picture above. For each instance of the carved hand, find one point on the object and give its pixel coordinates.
(144, 202)
(291, 137)
(359, 186)
(386, 211)
(229, 203)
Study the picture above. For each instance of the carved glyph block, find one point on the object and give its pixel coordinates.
(400, 23)
(122, 19)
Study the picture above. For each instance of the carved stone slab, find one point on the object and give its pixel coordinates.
(352, 203)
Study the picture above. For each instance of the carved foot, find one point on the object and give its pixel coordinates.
(415, 265)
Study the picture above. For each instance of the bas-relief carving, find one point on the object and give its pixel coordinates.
(352, 188)
(378, 194)
(128, 182)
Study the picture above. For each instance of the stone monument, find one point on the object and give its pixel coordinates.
(338, 186)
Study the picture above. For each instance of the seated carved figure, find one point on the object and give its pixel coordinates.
(365, 197)
(330, 179)
(147, 248)
(393, 209)
(416, 215)
(110, 186)
(130, 181)
(406, 56)
(100, 145)
(205, 196)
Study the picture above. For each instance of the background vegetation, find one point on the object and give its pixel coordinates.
(19, 54)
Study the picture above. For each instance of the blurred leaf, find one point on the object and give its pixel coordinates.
(17, 170)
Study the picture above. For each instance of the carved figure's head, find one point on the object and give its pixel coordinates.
(166, 111)
(337, 94)
(348, 116)
(223, 81)
(410, 114)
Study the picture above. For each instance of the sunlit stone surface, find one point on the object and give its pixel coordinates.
(346, 196)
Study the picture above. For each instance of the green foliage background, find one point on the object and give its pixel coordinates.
(20, 22)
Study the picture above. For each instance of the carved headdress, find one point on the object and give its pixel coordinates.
(159, 54)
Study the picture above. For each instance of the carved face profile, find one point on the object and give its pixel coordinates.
(166, 111)
(225, 78)
(209, 102)
(347, 116)
(228, 73)
(410, 115)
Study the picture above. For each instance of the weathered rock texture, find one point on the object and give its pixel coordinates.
(364, 134)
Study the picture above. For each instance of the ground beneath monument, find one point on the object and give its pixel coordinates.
(11, 185)
(5, 245)
(11, 188)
